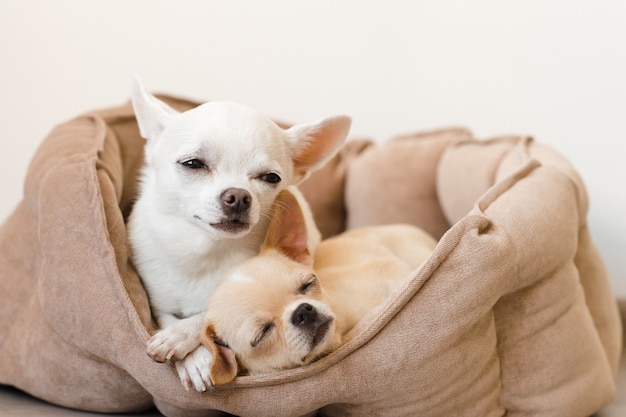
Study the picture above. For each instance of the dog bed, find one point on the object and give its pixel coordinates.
(512, 314)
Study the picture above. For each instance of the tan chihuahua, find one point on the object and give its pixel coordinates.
(282, 309)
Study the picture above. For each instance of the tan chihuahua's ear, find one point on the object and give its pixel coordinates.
(224, 364)
(287, 231)
(314, 144)
(152, 114)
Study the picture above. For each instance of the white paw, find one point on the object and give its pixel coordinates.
(172, 343)
(194, 370)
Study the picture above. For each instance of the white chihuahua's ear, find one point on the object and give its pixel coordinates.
(152, 114)
(314, 144)
(287, 231)
(224, 366)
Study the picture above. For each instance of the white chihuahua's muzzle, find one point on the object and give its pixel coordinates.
(236, 205)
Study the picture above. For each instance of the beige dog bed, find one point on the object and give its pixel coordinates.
(512, 314)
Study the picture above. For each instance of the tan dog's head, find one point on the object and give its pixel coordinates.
(270, 309)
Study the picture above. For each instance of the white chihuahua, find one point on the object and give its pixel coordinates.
(207, 187)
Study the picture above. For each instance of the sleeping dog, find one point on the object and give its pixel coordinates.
(285, 308)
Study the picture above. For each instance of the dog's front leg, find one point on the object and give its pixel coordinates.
(177, 340)
(195, 369)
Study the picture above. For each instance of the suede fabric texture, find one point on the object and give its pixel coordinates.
(511, 315)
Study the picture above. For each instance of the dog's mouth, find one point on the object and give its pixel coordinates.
(319, 337)
(321, 332)
(232, 226)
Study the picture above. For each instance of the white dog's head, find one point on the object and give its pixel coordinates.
(220, 165)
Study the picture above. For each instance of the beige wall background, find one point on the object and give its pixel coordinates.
(555, 70)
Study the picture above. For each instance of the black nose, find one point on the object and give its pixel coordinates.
(304, 315)
(235, 200)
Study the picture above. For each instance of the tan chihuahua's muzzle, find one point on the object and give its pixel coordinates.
(313, 324)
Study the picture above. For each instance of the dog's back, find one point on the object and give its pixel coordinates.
(358, 269)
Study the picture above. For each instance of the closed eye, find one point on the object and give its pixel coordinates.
(309, 285)
(263, 333)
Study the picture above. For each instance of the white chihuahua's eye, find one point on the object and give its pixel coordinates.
(308, 285)
(193, 164)
(271, 177)
(263, 333)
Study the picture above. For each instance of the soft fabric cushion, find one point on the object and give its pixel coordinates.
(512, 314)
